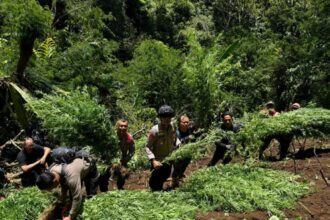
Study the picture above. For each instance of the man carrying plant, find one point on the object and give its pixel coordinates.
(32, 159)
(284, 140)
(184, 133)
(269, 109)
(224, 145)
(70, 177)
(161, 142)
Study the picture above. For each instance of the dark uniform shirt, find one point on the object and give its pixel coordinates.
(36, 154)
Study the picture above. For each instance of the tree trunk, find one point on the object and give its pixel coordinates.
(26, 50)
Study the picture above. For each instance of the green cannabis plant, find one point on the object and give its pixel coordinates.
(26, 204)
(76, 119)
(243, 188)
(131, 205)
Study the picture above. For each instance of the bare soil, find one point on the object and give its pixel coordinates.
(301, 160)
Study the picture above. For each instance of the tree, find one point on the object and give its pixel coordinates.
(201, 68)
(26, 21)
(155, 72)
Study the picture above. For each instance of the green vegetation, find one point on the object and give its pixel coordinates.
(200, 57)
(196, 149)
(305, 122)
(237, 188)
(231, 188)
(26, 204)
(76, 119)
(140, 159)
(138, 205)
(86, 63)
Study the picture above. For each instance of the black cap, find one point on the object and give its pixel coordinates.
(165, 111)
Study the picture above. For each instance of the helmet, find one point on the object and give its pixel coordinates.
(165, 111)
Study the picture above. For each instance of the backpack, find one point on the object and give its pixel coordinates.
(66, 155)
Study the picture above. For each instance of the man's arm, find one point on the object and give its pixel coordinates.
(129, 155)
(64, 194)
(131, 152)
(25, 168)
(74, 185)
(149, 147)
(46, 153)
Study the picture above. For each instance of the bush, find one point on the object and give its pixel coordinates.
(234, 188)
(140, 159)
(155, 72)
(25, 204)
(75, 119)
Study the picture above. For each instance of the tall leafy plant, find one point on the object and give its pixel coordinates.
(75, 119)
(200, 69)
(155, 71)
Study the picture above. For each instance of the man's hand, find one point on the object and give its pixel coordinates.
(156, 164)
(42, 160)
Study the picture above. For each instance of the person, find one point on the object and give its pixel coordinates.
(70, 177)
(269, 109)
(32, 159)
(294, 106)
(284, 140)
(184, 131)
(162, 140)
(127, 147)
(126, 142)
(224, 145)
(185, 134)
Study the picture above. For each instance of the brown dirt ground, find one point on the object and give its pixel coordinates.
(308, 167)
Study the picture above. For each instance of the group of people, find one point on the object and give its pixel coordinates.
(39, 169)
(163, 138)
(284, 140)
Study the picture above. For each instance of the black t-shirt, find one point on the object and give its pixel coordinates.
(184, 137)
(36, 154)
